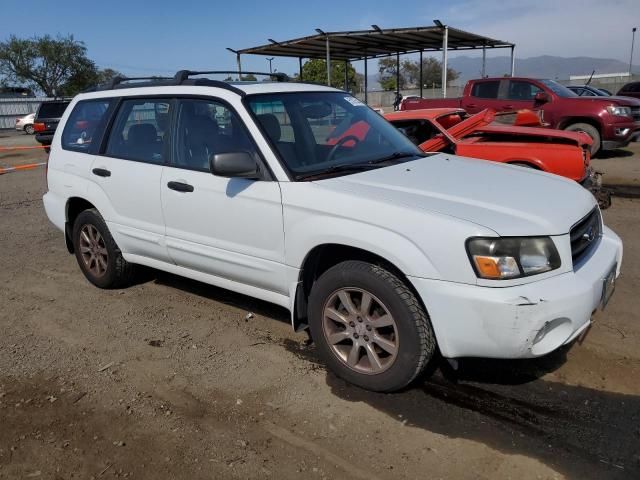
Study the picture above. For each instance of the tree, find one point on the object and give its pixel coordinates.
(410, 73)
(315, 71)
(54, 66)
(387, 74)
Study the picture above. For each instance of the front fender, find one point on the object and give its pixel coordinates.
(401, 251)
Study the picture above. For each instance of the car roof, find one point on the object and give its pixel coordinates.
(242, 88)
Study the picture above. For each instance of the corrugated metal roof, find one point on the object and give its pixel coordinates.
(355, 45)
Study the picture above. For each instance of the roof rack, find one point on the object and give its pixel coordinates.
(182, 78)
(111, 84)
(183, 75)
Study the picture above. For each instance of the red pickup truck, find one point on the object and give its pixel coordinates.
(610, 123)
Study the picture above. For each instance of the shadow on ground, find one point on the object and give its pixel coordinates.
(617, 153)
(506, 405)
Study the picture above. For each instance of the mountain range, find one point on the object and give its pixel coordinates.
(545, 66)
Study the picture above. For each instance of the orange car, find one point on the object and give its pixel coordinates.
(554, 151)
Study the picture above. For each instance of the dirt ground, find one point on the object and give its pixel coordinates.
(171, 378)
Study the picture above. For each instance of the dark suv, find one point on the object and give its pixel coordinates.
(630, 90)
(47, 118)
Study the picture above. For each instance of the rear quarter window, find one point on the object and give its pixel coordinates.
(84, 124)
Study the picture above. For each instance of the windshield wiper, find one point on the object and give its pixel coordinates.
(340, 168)
(356, 167)
(395, 156)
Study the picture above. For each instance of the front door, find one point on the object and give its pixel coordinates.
(227, 227)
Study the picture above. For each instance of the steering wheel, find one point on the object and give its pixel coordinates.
(341, 142)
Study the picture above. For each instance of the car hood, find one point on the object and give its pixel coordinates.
(507, 199)
(624, 101)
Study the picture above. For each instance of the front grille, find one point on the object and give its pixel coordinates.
(585, 234)
(635, 113)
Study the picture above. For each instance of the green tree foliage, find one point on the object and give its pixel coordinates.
(53, 66)
(315, 71)
(410, 73)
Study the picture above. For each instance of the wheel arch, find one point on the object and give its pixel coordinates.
(75, 206)
(324, 256)
(594, 122)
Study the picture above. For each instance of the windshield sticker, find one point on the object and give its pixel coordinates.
(354, 101)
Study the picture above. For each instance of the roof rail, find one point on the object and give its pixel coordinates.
(118, 80)
(183, 75)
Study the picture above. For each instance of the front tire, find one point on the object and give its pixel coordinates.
(369, 327)
(28, 129)
(97, 254)
(589, 130)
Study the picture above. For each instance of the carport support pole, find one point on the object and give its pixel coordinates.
(239, 67)
(300, 68)
(484, 61)
(346, 75)
(445, 48)
(420, 66)
(328, 64)
(398, 72)
(513, 60)
(366, 86)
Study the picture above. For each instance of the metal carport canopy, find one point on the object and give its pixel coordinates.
(364, 44)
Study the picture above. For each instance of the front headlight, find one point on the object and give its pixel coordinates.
(620, 111)
(512, 257)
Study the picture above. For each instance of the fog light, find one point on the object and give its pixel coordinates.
(541, 333)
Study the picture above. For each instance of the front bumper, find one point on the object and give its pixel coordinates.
(475, 321)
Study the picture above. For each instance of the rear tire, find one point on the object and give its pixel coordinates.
(97, 254)
(589, 130)
(28, 129)
(369, 327)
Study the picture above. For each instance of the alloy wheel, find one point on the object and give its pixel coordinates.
(93, 250)
(360, 330)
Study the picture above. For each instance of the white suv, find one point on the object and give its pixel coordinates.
(303, 196)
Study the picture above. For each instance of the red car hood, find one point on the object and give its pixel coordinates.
(480, 122)
(580, 138)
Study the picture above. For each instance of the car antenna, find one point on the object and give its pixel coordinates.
(589, 81)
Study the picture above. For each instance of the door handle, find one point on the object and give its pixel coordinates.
(471, 105)
(180, 187)
(101, 172)
(508, 107)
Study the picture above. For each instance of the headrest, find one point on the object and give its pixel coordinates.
(142, 133)
(271, 124)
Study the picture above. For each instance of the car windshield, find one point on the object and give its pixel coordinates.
(328, 133)
(558, 88)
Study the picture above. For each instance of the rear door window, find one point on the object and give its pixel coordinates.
(488, 89)
(140, 130)
(85, 124)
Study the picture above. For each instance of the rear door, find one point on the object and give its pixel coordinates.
(484, 94)
(126, 176)
(228, 227)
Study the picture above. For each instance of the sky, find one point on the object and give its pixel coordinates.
(163, 36)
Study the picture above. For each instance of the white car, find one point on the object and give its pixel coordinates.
(25, 124)
(275, 190)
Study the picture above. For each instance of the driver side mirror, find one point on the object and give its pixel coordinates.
(234, 165)
(542, 97)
